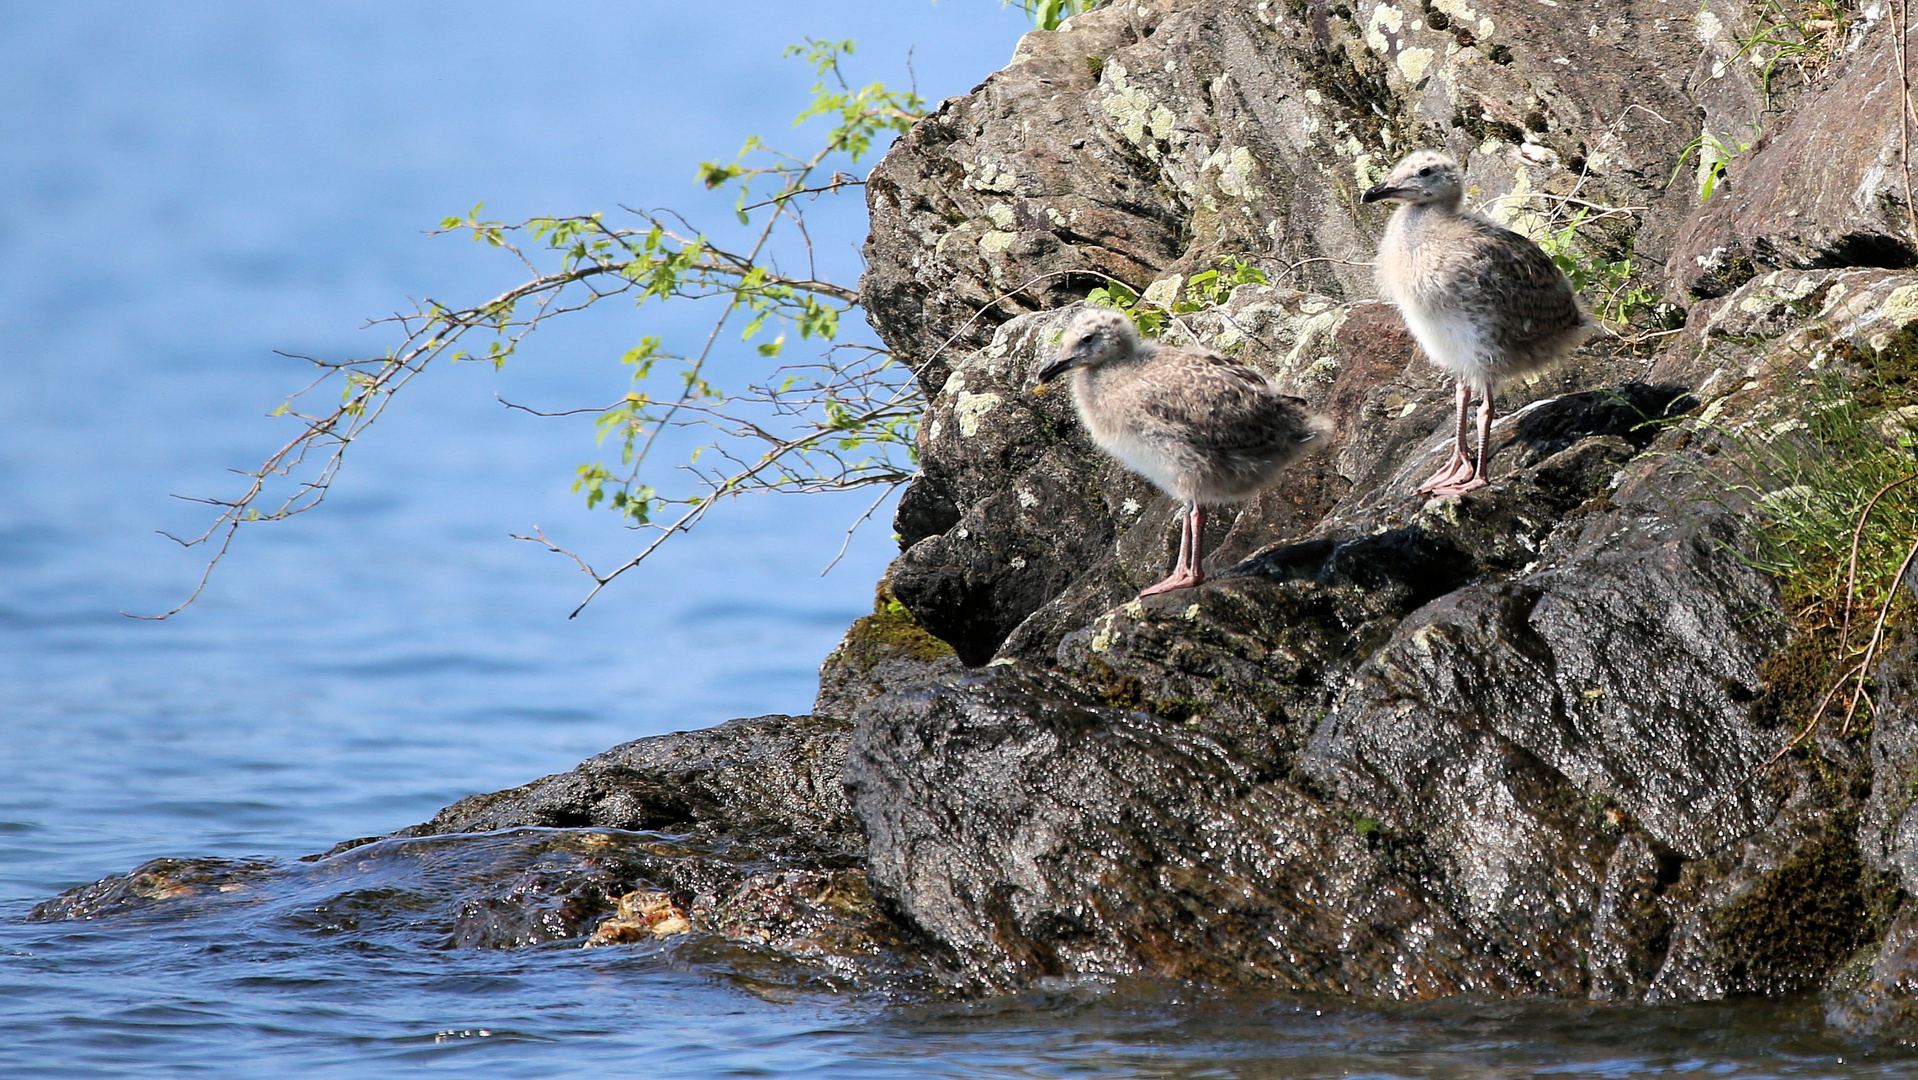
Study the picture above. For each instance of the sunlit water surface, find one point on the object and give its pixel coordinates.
(184, 189)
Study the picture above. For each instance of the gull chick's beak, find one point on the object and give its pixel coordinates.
(1378, 191)
(1060, 364)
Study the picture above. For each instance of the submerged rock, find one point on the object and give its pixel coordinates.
(720, 907)
(733, 848)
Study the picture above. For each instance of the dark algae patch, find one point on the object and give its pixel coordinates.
(1798, 924)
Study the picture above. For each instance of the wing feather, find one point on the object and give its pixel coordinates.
(1222, 408)
(1507, 279)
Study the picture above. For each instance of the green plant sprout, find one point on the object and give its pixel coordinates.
(1807, 40)
(1048, 14)
(1714, 156)
(1608, 282)
(1206, 289)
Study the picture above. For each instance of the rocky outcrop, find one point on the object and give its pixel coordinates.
(1496, 736)
(1539, 739)
(1526, 741)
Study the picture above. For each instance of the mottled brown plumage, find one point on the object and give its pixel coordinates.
(1204, 429)
(1485, 303)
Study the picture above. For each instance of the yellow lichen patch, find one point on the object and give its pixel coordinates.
(1413, 63)
(1001, 215)
(1132, 109)
(996, 241)
(1778, 287)
(993, 178)
(1102, 637)
(1707, 26)
(1160, 123)
(1900, 307)
(1426, 638)
(971, 408)
(1235, 172)
(1385, 18)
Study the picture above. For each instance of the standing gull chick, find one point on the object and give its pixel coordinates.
(1483, 302)
(1204, 429)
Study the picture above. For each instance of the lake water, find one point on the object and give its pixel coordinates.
(186, 188)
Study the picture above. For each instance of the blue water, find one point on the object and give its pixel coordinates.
(185, 189)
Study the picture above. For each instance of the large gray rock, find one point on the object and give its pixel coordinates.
(1531, 779)
(1823, 186)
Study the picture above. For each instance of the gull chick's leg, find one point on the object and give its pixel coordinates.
(1460, 466)
(1474, 476)
(1186, 573)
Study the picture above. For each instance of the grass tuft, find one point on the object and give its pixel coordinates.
(1837, 509)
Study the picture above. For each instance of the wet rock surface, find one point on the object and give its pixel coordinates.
(1007, 821)
(1526, 741)
(771, 781)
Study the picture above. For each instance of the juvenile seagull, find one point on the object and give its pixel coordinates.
(1483, 302)
(1202, 428)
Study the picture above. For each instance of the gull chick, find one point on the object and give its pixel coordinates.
(1485, 303)
(1202, 428)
